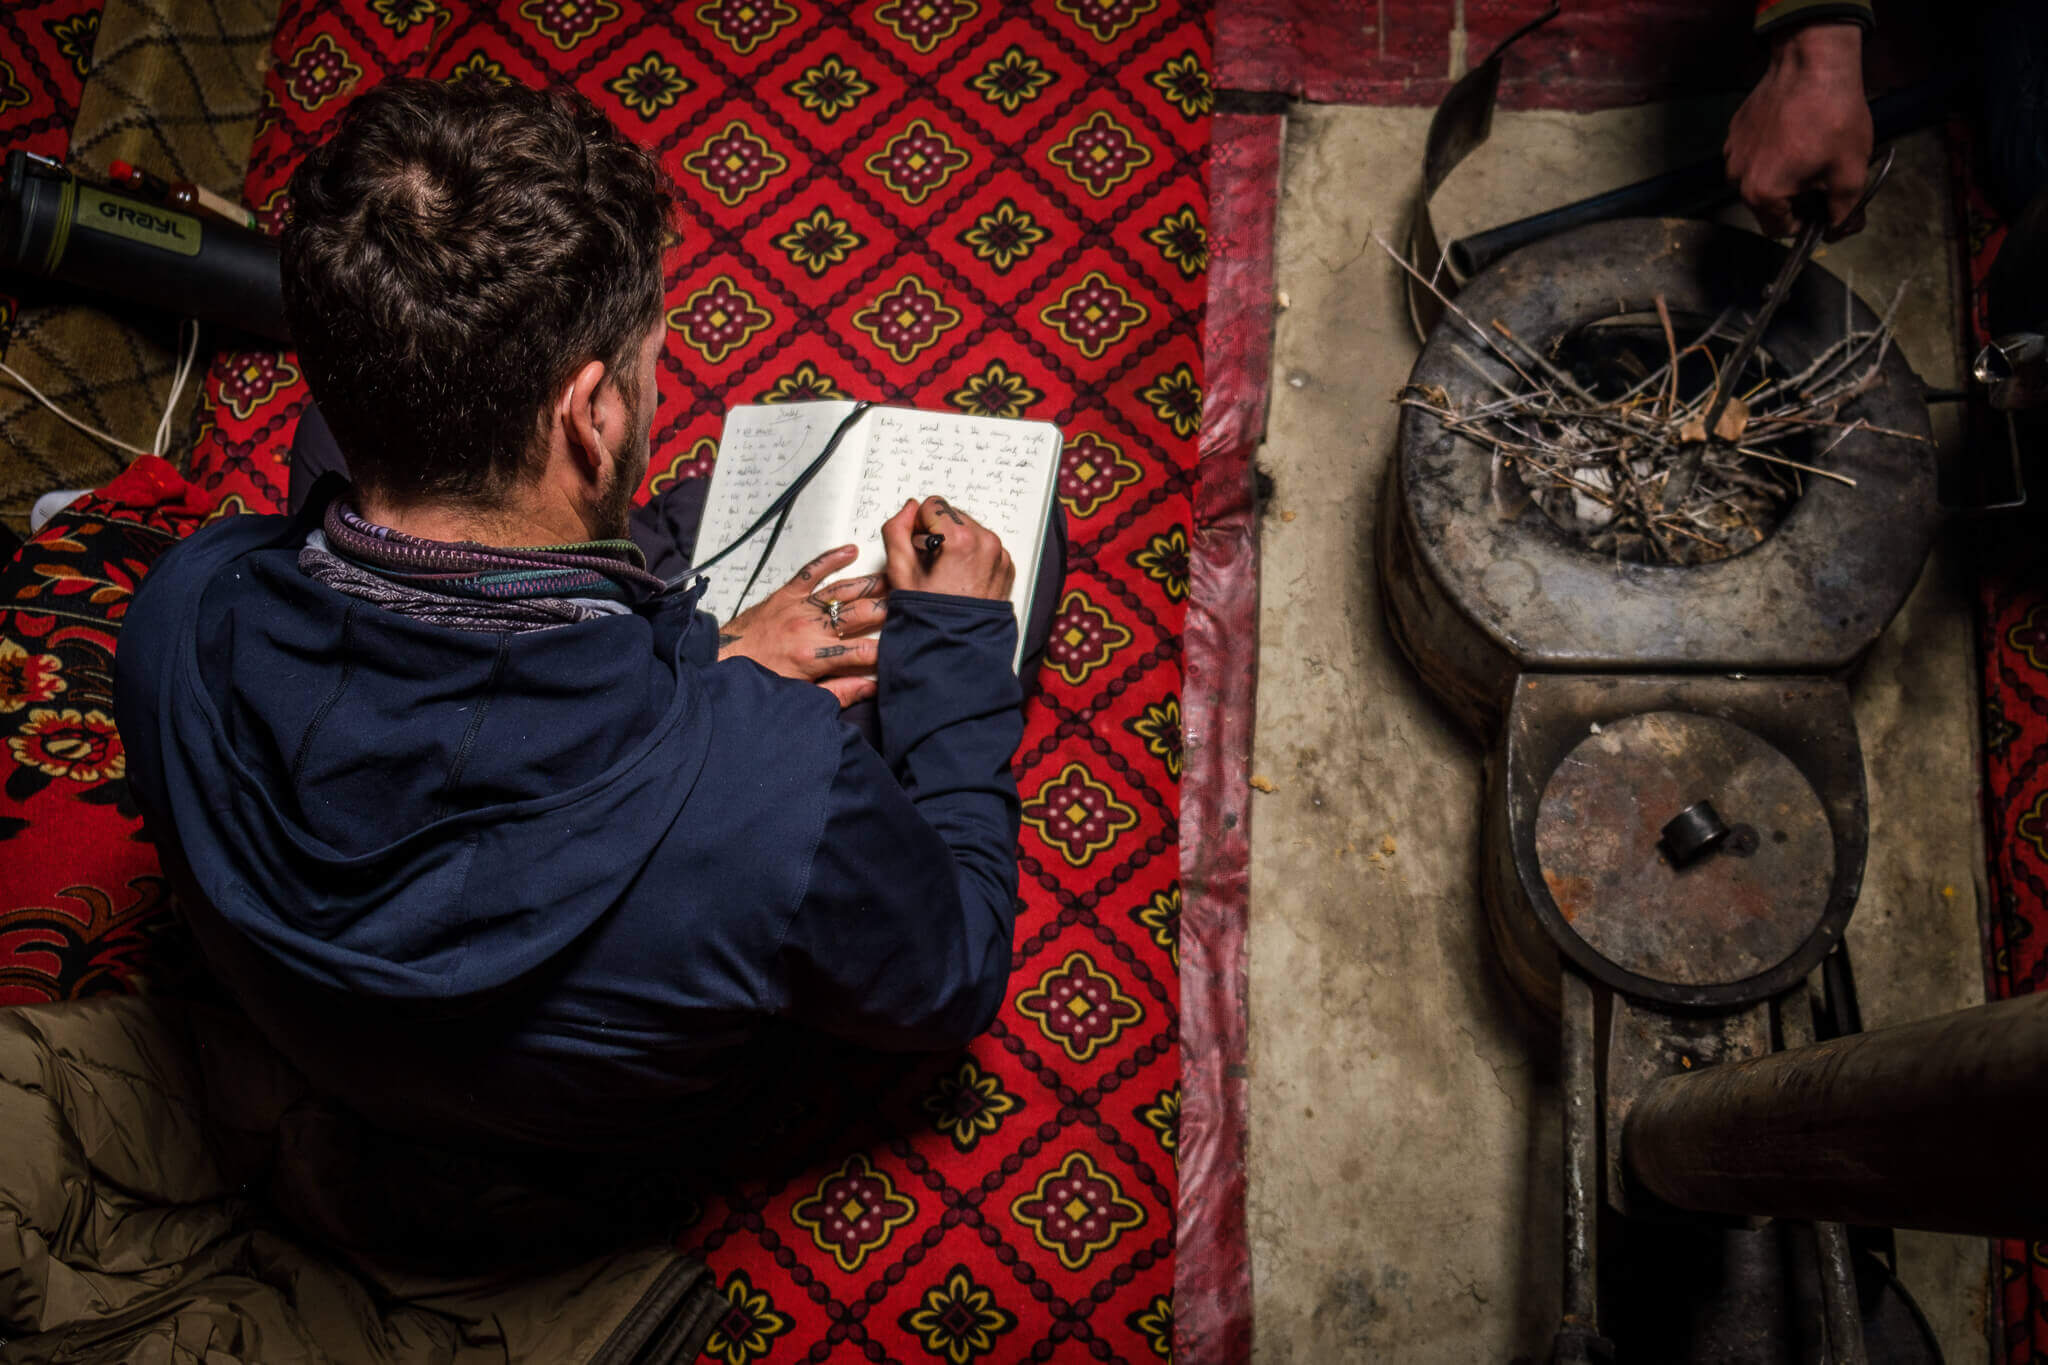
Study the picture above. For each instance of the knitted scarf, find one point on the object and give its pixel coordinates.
(468, 586)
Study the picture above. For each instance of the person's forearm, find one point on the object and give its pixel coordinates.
(1774, 17)
(950, 722)
(903, 940)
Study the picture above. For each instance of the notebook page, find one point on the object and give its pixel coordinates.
(1001, 472)
(763, 448)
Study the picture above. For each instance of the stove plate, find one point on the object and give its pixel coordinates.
(1737, 911)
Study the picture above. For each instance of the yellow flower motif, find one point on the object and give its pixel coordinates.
(854, 1212)
(1003, 236)
(1182, 240)
(924, 24)
(917, 161)
(805, 384)
(907, 319)
(27, 678)
(1079, 1007)
(82, 746)
(315, 74)
(735, 163)
(1154, 1322)
(719, 319)
(830, 88)
(1107, 18)
(819, 242)
(1159, 727)
(565, 23)
(476, 64)
(1077, 1211)
(1164, 560)
(958, 1320)
(1078, 815)
(1012, 80)
(694, 463)
(1160, 917)
(744, 25)
(747, 1330)
(967, 1104)
(12, 92)
(252, 378)
(1162, 1116)
(1094, 314)
(1186, 85)
(995, 392)
(75, 37)
(1083, 637)
(649, 86)
(1176, 400)
(233, 505)
(1099, 154)
(1093, 470)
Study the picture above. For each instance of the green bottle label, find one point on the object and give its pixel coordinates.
(147, 224)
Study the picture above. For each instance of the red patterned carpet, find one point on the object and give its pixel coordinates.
(955, 203)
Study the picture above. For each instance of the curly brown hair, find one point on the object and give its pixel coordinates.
(454, 253)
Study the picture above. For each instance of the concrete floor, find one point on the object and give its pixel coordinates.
(1404, 1162)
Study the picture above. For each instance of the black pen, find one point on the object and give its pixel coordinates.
(930, 545)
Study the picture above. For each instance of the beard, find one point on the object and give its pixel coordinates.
(614, 512)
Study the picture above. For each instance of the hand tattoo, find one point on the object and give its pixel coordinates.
(832, 651)
(724, 639)
(946, 510)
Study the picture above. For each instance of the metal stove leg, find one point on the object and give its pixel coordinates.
(1844, 1311)
(1578, 1339)
(1841, 1308)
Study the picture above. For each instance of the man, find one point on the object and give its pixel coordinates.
(493, 834)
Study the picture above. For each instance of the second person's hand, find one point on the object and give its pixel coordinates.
(1804, 127)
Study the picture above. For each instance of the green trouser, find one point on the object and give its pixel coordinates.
(170, 1191)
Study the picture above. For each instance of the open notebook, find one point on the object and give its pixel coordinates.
(1000, 471)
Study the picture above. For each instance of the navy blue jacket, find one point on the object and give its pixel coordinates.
(550, 886)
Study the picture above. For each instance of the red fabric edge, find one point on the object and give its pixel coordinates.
(1597, 54)
(1212, 1269)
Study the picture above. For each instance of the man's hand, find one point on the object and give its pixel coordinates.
(971, 563)
(792, 632)
(1805, 126)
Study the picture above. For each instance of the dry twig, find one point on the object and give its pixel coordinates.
(1601, 466)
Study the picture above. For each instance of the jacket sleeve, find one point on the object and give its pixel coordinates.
(902, 940)
(1775, 16)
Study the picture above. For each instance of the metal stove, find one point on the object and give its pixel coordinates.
(1675, 819)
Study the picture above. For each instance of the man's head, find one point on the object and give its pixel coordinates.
(473, 277)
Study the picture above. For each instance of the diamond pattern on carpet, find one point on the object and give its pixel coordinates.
(967, 204)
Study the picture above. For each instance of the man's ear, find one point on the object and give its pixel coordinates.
(577, 411)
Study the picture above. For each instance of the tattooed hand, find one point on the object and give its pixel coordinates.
(792, 632)
(971, 562)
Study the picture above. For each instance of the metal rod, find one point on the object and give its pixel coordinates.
(1689, 190)
(1841, 1309)
(1578, 1337)
(1838, 1296)
(1931, 1125)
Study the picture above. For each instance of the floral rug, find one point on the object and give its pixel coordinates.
(995, 208)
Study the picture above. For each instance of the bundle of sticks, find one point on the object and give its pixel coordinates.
(1625, 462)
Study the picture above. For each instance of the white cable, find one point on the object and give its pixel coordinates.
(93, 432)
(163, 425)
